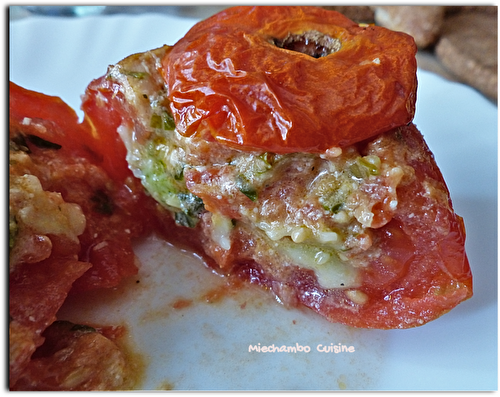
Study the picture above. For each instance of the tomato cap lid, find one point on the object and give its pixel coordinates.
(231, 78)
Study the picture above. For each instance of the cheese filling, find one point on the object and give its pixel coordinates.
(314, 211)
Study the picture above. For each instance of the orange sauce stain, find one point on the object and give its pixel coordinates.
(230, 288)
(182, 303)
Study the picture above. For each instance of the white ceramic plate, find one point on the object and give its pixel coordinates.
(187, 343)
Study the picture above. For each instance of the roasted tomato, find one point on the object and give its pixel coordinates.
(290, 79)
(76, 358)
(71, 158)
(364, 234)
(71, 223)
(410, 266)
(36, 292)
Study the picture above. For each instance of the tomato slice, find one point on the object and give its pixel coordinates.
(234, 78)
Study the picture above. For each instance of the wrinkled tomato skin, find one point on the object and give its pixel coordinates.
(227, 81)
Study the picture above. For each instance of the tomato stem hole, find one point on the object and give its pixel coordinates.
(312, 43)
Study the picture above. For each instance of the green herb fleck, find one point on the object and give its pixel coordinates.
(163, 121)
(365, 166)
(185, 220)
(336, 208)
(245, 187)
(191, 207)
(136, 75)
(179, 174)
